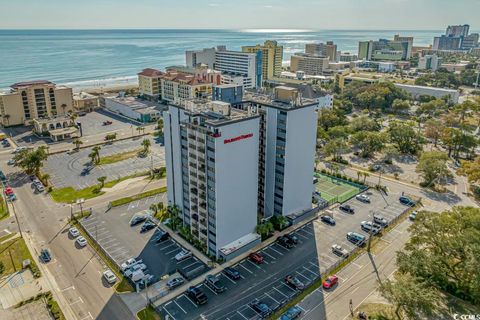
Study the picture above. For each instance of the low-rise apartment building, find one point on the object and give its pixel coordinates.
(84, 102)
(131, 107)
(310, 64)
(34, 100)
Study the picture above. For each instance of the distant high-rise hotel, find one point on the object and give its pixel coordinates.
(456, 37)
(272, 56)
(328, 50)
(394, 50)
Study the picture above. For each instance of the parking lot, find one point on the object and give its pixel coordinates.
(69, 169)
(307, 261)
(113, 232)
(92, 123)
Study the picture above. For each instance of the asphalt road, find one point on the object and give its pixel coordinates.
(68, 170)
(74, 276)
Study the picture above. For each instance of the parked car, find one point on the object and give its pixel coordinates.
(380, 220)
(109, 276)
(232, 273)
(175, 282)
(162, 236)
(294, 282)
(81, 241)
(214, 283)
(292, 313)
(82, 114)
(39, 187)
(45, 255)
(147, 280)
(73, 232)
(197, 295)
(367, 226)
(107, 123)
(346, 208)
(363, 198)
(407, 201)
(328, 220)
(137, 219)
(413, 216)
(261, 308)
(182, 255)
(256, 257)
(148, 225)
(11, 162)
(356, 238)
(292, 238)
(339, 251)
(133, 269)
(130, 262)
(283, 241)
(330, 282)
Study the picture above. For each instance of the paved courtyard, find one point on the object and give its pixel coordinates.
(71, 170)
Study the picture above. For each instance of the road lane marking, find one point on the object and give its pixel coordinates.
(68, 288)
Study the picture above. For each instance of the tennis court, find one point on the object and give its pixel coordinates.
(333, 189)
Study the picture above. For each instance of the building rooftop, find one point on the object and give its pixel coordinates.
(26, 84)
(83, 96)
(239, 243)
(131, 102)
(426, 88)
(272, 101)
(149, 72)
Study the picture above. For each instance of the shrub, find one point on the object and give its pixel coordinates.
(388, 161)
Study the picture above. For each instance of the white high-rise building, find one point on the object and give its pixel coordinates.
(225, 165)
(235, 64)
(205, 56)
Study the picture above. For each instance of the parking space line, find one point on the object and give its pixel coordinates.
(266, 293)
(179, 306)
(253, 264)
(263, 251)
(228, 278)
(316, 275)
(190, 300)
(171, 251)
(245, 268)
(270, 247)
(168, 313)
(301, 235)
(191, 264)
(283, 294)
(242, 315)
(211, 290)
(173, 244)
(301, 275)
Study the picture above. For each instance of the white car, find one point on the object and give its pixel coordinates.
(17, 150)
(367, 226)
(413, 216)
(175, 282)
(136, 267)
(109, 276)
(11, 162)
(363, 198)
(73, 232)
(130, 262)
(182, 255)
(81, 241)
(339, 251)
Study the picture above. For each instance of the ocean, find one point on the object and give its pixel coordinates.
(94, 58)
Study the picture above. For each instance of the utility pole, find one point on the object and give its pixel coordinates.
(370, 233)
(16, 218)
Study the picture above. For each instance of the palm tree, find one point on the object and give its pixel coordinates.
(146, 145)
(92, 157)
(139, 129)
(73, 116)
(365, 175)
(96, 151)
(102, 181)
(359, 174)
(77, 142)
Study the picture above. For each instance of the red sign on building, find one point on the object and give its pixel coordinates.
(243, 136)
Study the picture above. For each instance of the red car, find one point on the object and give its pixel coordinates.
(256, 257)
(330, 282)
(8, 191)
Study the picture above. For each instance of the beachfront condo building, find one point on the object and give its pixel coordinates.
(272, 56)
(386, 50)
(328, 49)
(310, 64)
(239, 68)
(149, 83)
(228, 166)
(34, 100)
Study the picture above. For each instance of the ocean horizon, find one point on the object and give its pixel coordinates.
(103, 57)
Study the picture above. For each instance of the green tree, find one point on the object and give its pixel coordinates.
(328, 118)
(432, 166)
(410, 296)
(338, 132)
(444, 248)
(77, 142)
(364, 123)
(31, 160)
(102, 180)
(433, 130)
(369, 142)
(146, 145)
(405, 137)
(96, 154)
(400, 106)
(431, 108)
(335, 148)
(390, 152)
(471, 169)
(264, 229)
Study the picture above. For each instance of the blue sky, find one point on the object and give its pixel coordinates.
(240, 14)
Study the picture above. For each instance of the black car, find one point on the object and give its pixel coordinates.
(231, 273)
(163, 235)
(346, 208)
(283, 241)
(292, 238)
(137, 219)
(328, 220)
(213, 283)
(261, 308)
(407, 201)
(148, 225)
(197, 295)
(45, 255)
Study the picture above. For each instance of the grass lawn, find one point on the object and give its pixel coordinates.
(12, 254)
(148, 314)
(378, 311)
(69, 194)
(139, 196)
(3, 209)
(118, 157)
